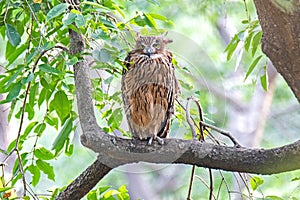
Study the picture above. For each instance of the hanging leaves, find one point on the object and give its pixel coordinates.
(12, 35)
(57, 10)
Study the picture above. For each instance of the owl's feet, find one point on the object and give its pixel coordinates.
(159, 140)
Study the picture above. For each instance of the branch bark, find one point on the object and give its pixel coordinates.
(84, 182)
(258, 161)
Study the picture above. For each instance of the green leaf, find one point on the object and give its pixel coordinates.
(139, 20)
(110, 194)
(30, 111)
(36, 174)
(32, 94)
(23, 136)
(39, 129)
(109, 80)
(106, 113)
(120, 11)
(116, 118)
(231, 50)
(255, 182)
(72, 61)
(123, 189)
(150, 21)
(296, 179)
(27, 79)
(56, 11)
(52, 121)
(92, 195)
(48, 69)
(79, 20)
(42, 96)
(14, 91)
(11, 57)
(23, 160)
(14, 75)
(69, 148)
(12, 35)
(256, 41)
(102, 55)
(157, 16)
(231, 47)
(46, 168)
(43, 154)
(11, 110)
(62, 137)
(186, 85)
(272, 197)
(264, 79)
(252, 66)
(29, 128)
(5, 189)
(61, 105)
(103, 189)
(97, 5)
(70, 18)
(248, 41)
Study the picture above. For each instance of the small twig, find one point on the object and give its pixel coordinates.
(205, 184)
(211, 184)
(21, 171)
(191, 183)
(220, 186)
(223, 132)
(201, 138)
(200, 111)
(6, 10)
(188, 118)
(226, 185)
(198, 127)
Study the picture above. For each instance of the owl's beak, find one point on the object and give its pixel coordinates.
(148, 51)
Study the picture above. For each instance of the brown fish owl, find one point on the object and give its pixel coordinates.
(149, 87)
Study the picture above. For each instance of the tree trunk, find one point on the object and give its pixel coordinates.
(281, 38)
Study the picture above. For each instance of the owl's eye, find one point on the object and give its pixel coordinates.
(156, 45)
(142, 45)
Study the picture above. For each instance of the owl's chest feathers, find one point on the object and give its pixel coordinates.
(155, 69)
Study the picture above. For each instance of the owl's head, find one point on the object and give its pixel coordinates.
(149, 45)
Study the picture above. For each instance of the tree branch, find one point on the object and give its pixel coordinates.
(84, 182)
(117, 151)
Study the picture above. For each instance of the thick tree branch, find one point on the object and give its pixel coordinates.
(281, 41)
(259, 161)
(84, 182)
(94, 173)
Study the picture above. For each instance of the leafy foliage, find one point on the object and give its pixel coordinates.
(38, 77)
(250, 38)
(105, 193)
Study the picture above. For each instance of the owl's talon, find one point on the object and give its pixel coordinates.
(160, 140)
(150, 140)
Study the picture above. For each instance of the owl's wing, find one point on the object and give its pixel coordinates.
(127, 63)
(164, 132)
(171, 95)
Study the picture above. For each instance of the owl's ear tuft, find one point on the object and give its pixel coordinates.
(167, 41)
(137, 36)
(164, 34)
